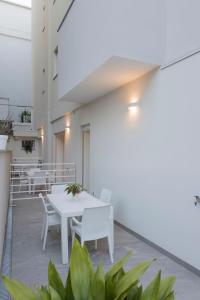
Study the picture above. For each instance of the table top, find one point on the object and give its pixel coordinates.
(68, 206)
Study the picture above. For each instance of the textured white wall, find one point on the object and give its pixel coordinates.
(94, 31)
(5, 158)
(15, 56)
(149, 159)
(15, 62)
(182, 28)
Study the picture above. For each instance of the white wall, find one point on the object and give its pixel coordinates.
(150, 159)
(94, 31)
(182, 28)
(5, 158)
(15, 55)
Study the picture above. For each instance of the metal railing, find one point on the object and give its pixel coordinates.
(14, 111)
(29, 179)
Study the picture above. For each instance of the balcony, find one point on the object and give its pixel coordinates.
(20, 116)
(125, 48)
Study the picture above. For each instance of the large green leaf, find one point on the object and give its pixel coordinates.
(98, 284)
(44, 293)
(135, 293)
(68, 288)
(54, 294)
(113, 275)
(55, 280)
(117, 266)
(81, 272)
(131, 278)
(166, 287)
(18, 291)
(152, 290)
(112, 283)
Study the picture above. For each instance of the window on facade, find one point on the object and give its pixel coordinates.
(28, 145)
(55, 63)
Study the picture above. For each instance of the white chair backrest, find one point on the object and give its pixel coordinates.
(40, 177)
(106, 195)
(58, 188)
(95, 222)
(44, 203)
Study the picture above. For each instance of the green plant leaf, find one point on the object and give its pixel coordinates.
(110, 278)
(117, 266)
(81, 272)
(135, 293)
(18, 291)
(54, 294)
(98, 284)
(166, 287)
(68, 288)
(55, 281)
(131, 278)
(44, 294)
(152, 290)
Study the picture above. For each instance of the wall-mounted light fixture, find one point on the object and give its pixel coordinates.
(133, 106)
(67, 128)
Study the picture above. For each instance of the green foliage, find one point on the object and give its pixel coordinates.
(73, 189)
(6, 126)
(25, 116)
(85, 283)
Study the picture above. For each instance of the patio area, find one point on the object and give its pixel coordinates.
(29, 262)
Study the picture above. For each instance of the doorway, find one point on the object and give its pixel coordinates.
(59, 155)
(86, 157)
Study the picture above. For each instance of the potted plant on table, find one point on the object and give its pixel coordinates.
(73, 189)
(5, 132)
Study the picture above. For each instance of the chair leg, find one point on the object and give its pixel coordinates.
(73, 236)
(82, 242)
(43, 229)
(110, 248)
(95, 244)
(45, 236)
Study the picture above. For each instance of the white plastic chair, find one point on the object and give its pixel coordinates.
(50, 218)
(39, 179)
(58, 188)
(96, 224)
(106, 196)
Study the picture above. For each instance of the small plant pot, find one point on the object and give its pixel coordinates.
(3, 142)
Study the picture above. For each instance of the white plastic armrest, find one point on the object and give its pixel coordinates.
(76, 221)
(51, 212)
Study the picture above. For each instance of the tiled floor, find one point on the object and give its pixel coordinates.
(30, 262)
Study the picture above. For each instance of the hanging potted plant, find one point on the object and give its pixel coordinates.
(5, 132)
(26, 116)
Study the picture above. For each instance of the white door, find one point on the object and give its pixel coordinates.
(86, 157)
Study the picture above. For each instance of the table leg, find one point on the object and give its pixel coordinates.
(112, 228)
(64, 240)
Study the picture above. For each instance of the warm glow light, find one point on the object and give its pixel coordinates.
(67, 128)
(132, 106)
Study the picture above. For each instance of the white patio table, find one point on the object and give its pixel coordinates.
(67, 207)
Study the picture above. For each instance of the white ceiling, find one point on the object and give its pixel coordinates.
(21, 2)
(114, 73)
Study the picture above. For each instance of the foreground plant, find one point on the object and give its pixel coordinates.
(85, 283)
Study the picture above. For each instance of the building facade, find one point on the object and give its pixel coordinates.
(16, 76)
(116, 90)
